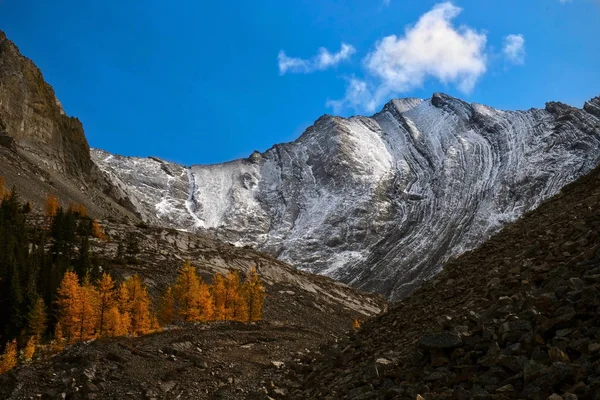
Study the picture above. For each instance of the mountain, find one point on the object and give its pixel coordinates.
(381, 202)
(517, 318)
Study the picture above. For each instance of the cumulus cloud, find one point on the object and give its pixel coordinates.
(323, 60)
(514, 48)
(432, 48)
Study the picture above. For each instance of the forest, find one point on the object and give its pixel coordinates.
(53, 291)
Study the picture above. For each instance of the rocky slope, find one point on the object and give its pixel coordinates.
(381, 202)
(225, 360)
(516, 318)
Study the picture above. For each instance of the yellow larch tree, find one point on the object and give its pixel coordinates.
(235, 306)
(124, 310)
(166, 307)
(68, 304)
(29, 349)
(97, 230)
(139, 306)
(106, 300)
(87, 310)
(52, 205)
(78, 208)
(186, 292)
(205, 302)
(9, 358)
(254, 292)
(219, 295)
(37, 319)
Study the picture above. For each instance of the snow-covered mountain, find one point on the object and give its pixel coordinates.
(377, 202)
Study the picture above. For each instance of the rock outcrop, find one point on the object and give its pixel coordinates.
(33, 120)
(381, 202)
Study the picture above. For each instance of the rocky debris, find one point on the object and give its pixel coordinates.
(517, 318)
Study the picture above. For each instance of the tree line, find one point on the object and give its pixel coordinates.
(51, 286)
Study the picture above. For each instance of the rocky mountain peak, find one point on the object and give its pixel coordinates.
(379, 202)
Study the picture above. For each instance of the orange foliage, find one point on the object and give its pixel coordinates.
(2, 184)
(9, 359)
(69, 298)
(78, 208)
(254, 293)
(235, 306)
(192, 295)
(106, 300)
(52, 205)
(97, 230)
(29, 349)
(124, 308)
(356, 324)
(139, 306)
(219, 294)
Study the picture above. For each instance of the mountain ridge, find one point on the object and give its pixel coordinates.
(341, 199)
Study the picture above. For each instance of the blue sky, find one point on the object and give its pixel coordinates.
(205, 82)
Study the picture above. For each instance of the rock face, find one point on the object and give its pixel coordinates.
(517, 318)
(32, 119)
(378, 202)
(42, 150)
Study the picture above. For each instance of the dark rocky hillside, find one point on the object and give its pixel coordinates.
(516, 319)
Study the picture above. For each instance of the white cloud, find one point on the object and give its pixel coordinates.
(514, 48)
(432, 48)
(323, 60)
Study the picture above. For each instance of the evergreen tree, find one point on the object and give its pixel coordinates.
(37, 319)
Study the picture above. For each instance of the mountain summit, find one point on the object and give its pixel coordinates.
(379, 202)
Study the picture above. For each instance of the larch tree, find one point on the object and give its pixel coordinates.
(166, 307)
(29, 349)
(124, 309)
(205, 302)
(97, 230)
(235, 306)
(186, 292)
(87, 310)
(219, 295)
(106, 300)
(9, 358)
(37, 319)
(52, 205)
(254, 292)
(139, 303)
(68, 304)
